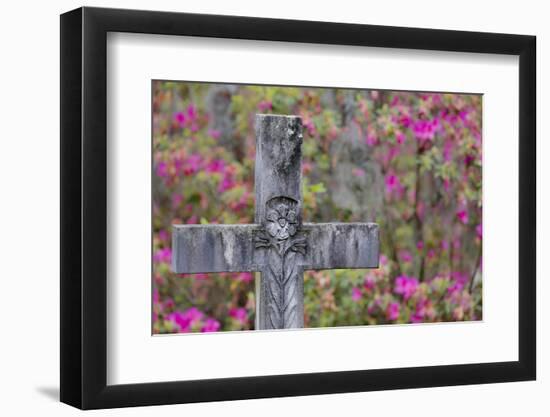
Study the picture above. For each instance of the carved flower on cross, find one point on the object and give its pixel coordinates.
(280, 227)
(281, 217)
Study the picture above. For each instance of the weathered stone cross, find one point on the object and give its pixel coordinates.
(278, 245)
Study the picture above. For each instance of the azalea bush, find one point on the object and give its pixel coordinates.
(409, 161)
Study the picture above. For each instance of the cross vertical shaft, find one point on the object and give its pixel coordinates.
(278, 177)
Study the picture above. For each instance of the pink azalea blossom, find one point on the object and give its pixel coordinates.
(406, 286)
(405, 121)
(392, 311)
(394, 101)
(163, 235)
(226, 183)
(216, 165)
(187, 319)
(393, 184)
(371, 140)
(169, 304)
(369, 282)
(187, 118)
(179, 117)
(163, 255)
(423, 310)
(192, 112)
(245, 276)
(265, 105)
(178, 163)
(241, 203)
(240, 314)
(416, 318)
(210, 325)
(192, 220)
(176, 200)
(162, 169)
(356, 294)
(310, 126)
(192, 164)
(425, 130)
(390, 154)
(400, 138)
(458, 280)
(468, 159)
(455, 287)
(462, 216)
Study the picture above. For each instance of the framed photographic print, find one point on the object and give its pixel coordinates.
(255, 208)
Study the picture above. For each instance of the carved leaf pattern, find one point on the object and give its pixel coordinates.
(281, 276)
(289, 288)
(274, 305)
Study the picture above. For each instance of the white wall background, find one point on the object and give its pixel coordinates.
(29, 174)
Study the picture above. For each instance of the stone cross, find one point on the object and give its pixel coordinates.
(278, 245)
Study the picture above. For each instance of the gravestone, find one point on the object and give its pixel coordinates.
(356, 183)
(218, 104)
(278, 245)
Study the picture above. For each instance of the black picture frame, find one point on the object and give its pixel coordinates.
(84, 207)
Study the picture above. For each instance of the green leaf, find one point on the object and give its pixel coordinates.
(317, 188)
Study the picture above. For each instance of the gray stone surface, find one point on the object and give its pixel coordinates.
(278, 168)
(278, 245)
(213, 248)
(341, 245)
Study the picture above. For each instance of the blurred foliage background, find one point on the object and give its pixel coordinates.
(407, 160)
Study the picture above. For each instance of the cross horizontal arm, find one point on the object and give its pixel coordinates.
(213, 248)
(342, 245)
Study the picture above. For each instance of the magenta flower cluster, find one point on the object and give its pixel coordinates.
(193, 318)
(405, 286)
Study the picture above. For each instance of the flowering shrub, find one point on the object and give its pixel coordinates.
(409, 161)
